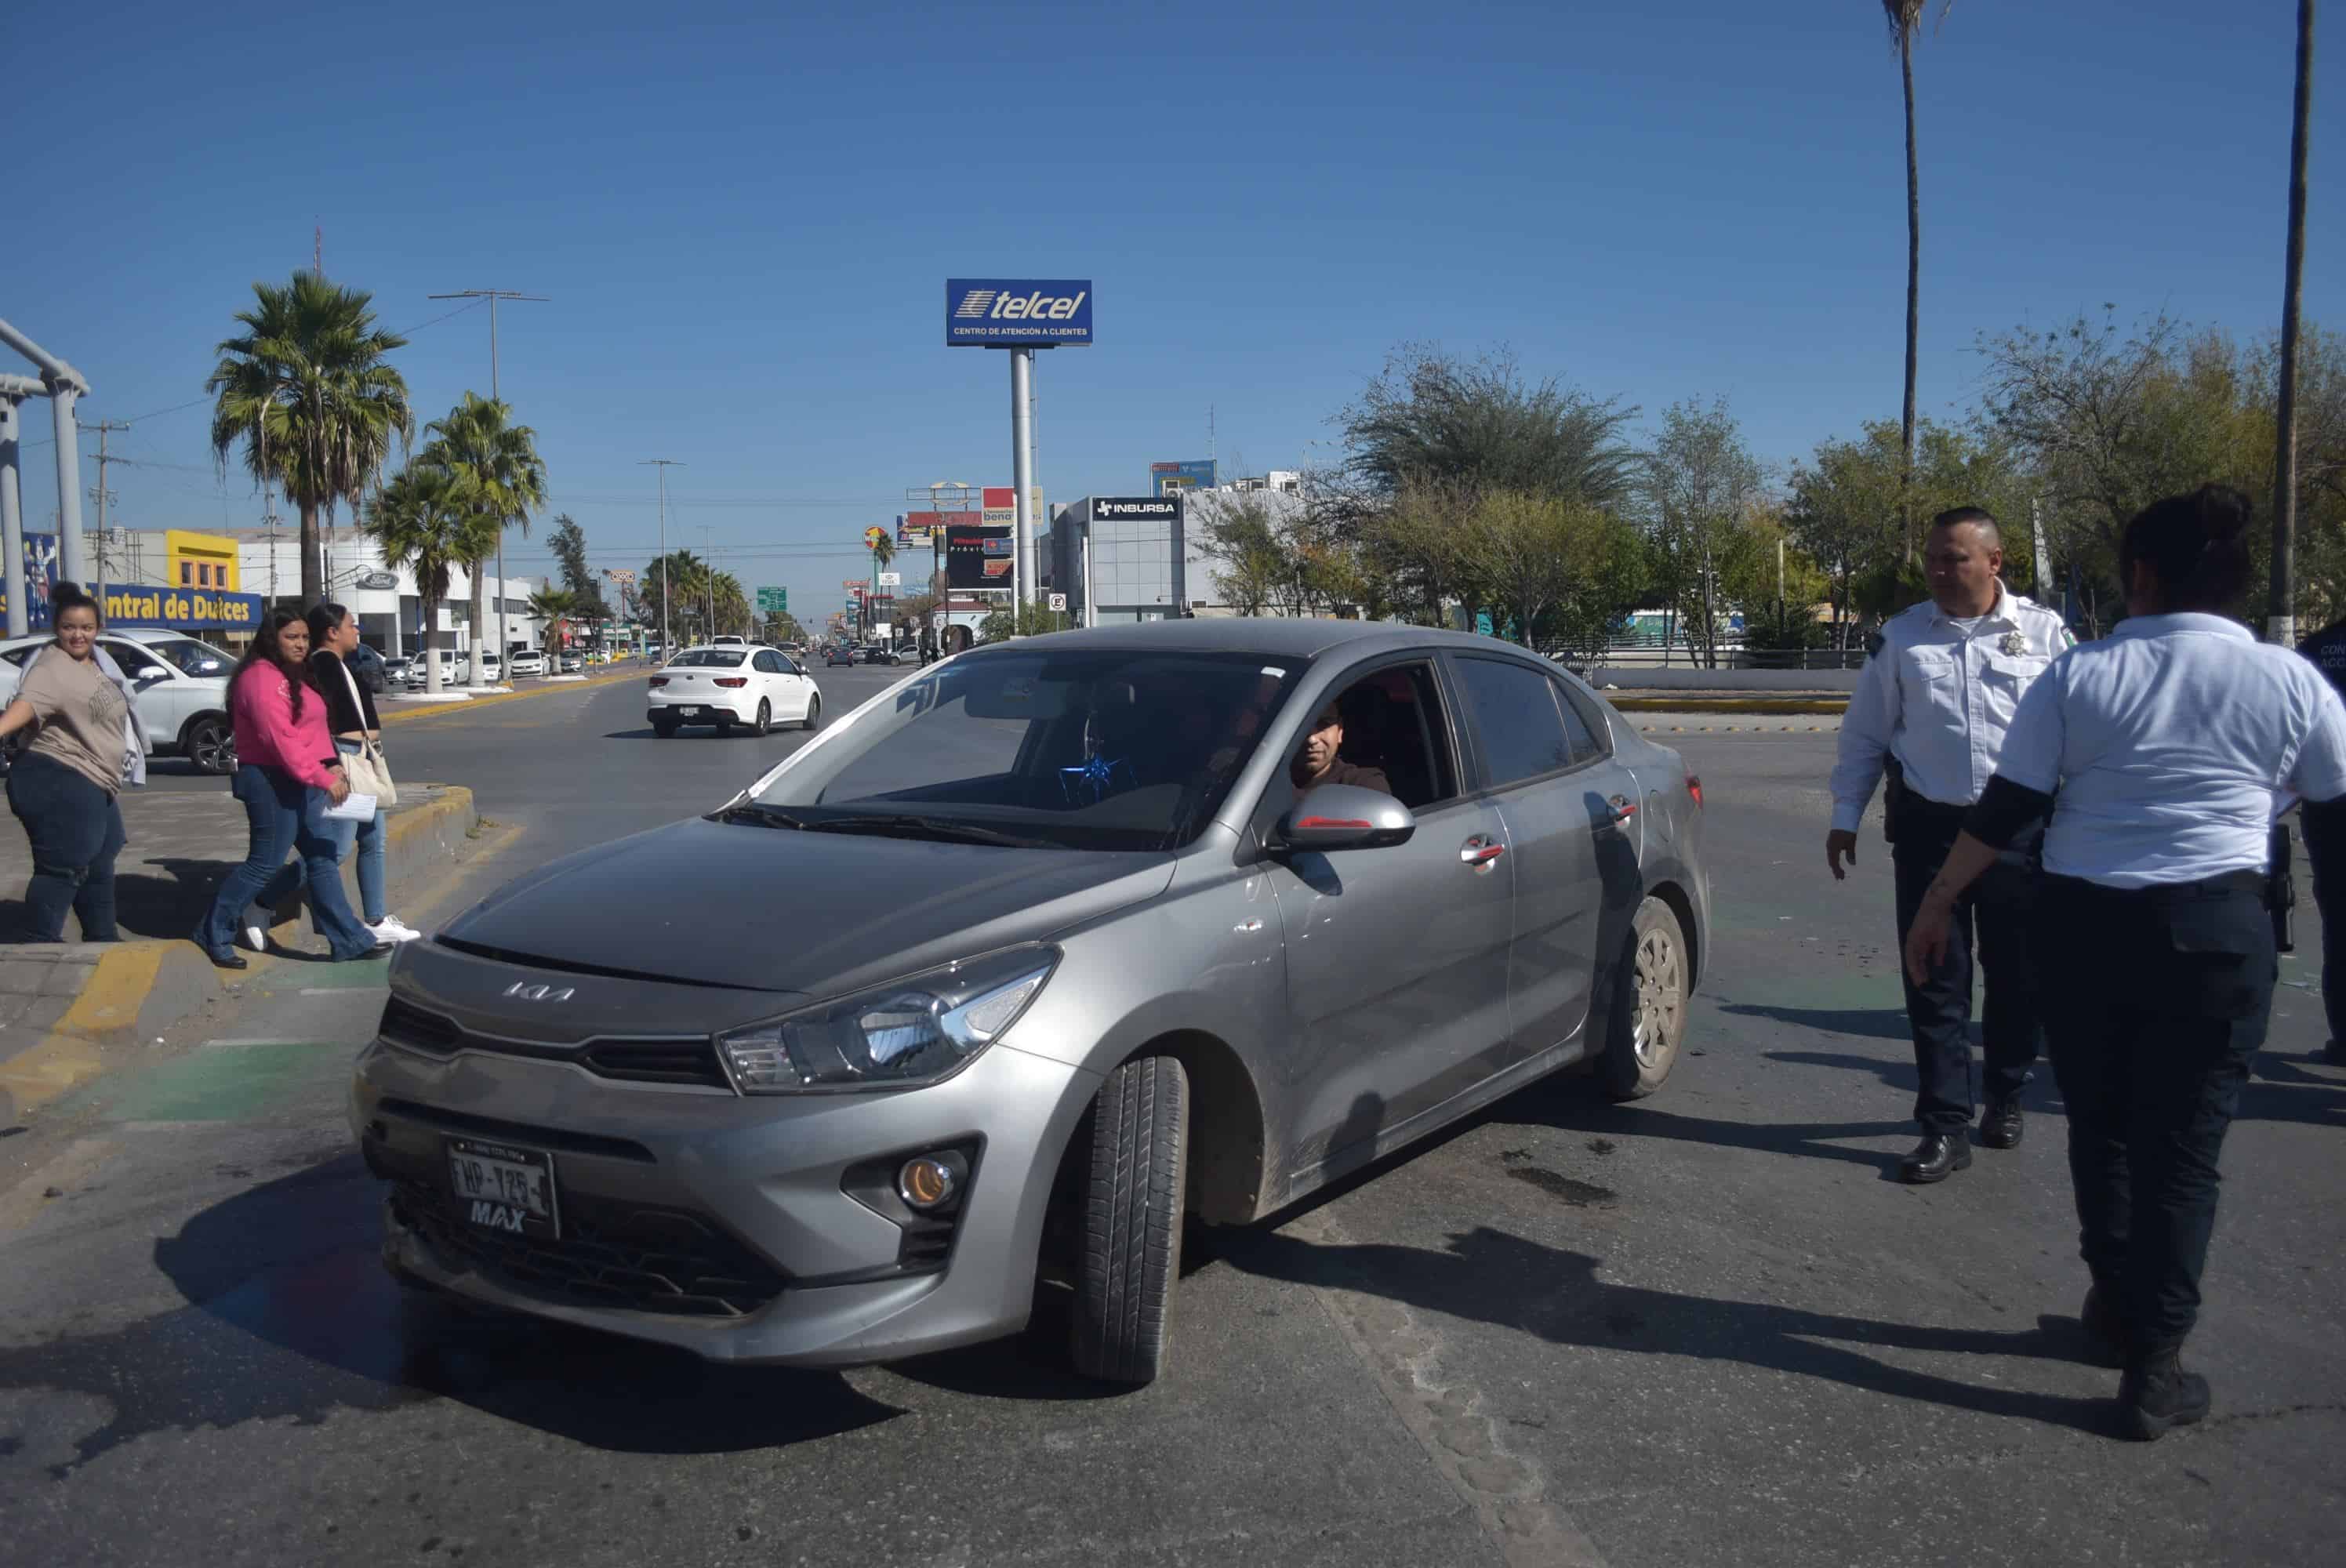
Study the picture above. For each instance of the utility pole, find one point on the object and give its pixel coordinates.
(102, 495)
(504, 644)
(663, 464)
(709, 578)
(2280, 624)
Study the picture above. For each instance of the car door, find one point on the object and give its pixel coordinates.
(773, 683)
(166, 701)
(1396, 957)
(1570, 811)
(797, 688)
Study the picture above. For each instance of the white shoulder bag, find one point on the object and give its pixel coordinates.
(369, 774)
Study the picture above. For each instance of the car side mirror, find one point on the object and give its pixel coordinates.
(1344, 817)
(146, 676)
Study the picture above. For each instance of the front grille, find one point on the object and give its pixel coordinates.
(610, 1255)
(683, 1059)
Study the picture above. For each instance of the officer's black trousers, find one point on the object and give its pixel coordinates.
(2325, 846)
(1993, 920)
(2164, 999)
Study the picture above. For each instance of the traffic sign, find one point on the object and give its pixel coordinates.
(891, 579)
(773, 601)
(1058, 601)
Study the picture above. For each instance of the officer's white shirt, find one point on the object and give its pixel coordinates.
(1938, 698)
(2171, 743)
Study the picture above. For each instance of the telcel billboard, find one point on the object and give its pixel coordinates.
(1019, 312)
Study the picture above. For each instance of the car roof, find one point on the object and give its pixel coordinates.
(1279, 635)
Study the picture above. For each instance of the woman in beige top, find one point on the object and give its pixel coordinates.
(62, 788)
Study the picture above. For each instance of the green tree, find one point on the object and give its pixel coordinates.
(1611, 582)
(422, 525)
(567, 542)
(500, 481)
(1527, 551)
(307, 389)
(1700, 486)
(1030, 621)
(679, 581)
(1905, 19)
(1430, 416)
(556, 608)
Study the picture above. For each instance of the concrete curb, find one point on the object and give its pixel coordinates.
(137, 990)
(580, 683)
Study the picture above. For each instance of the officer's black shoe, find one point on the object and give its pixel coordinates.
(2157, 1394)
(2000, 1124)
(2334, 1050)
(1938, 1157)
(2104, 1327)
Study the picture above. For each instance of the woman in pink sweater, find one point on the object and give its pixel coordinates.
(287, 775)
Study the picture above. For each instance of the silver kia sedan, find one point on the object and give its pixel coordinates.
(1123, 928)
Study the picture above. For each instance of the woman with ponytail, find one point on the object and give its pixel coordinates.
(2161, 755)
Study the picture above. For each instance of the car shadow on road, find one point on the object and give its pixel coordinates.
(1866, 1022)
(289, 1313)
(1567, 1105)
(1488, 1276)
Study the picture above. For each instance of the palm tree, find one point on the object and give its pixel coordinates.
(685, 577)
(2282, 626)
(307, 389)
(884, 549)
(555, 606)
(1905, 19)
(421, 523)
(496, 467)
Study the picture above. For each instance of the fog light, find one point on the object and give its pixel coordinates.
(925, 1182)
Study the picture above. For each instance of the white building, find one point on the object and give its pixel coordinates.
(386, 601)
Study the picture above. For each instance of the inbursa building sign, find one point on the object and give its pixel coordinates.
(1019, 312)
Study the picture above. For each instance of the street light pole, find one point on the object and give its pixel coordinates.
(505, 640)
(663, 464)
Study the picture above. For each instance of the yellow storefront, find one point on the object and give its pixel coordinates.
(194, 560)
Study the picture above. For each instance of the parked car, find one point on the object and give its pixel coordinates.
(456, 669)
(1157, 985)
(724, 685)
(395, 670)
(367, 663)
(529, 661)
(874, 653)
(573, 663)
(181, 685)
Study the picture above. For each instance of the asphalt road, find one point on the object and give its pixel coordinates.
(1706, 1328)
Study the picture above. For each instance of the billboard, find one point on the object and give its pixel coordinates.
(921, 528)
(40, 579)
(1164, 478)
(977, 556)
(1019, 312)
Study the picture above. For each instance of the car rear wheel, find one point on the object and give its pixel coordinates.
(663, 726)
(210, 744)
(813, 719)
(765, 723)
(1647, 1019)
(1138, 1166)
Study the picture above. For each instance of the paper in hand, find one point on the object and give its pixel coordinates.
(355, 807)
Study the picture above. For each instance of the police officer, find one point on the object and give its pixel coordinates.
(1930, 710)
(2325, 846)
(2169, 743)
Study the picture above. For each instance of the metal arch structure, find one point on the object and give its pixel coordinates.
(63, 385)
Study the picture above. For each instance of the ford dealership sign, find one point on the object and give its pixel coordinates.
(1019, 312)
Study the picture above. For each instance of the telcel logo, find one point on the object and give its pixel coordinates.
(993, 305)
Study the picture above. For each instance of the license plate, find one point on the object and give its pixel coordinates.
(500, 1187)
(688, 713)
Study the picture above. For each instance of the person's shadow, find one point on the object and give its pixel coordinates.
(1487, 1276)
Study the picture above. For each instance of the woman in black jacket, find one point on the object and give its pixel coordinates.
(351, 715)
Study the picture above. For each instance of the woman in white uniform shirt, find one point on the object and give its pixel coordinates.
(2162, 753)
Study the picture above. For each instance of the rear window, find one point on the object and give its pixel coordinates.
(710, 658)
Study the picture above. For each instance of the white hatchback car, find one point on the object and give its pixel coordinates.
(182, 687)
(755, 686)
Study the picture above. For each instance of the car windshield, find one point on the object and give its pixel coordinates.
(713, 658)
(1097, 749)
(188, 656)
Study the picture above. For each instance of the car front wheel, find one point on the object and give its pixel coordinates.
(1647, 1019)
(210, 744)
(1132, 1198)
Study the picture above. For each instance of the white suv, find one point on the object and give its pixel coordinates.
(181, 685)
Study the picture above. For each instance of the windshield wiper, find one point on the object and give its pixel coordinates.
(911, 826)
(755, 811)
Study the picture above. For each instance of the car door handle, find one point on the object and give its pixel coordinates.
(1617, 810)
(1480, 851)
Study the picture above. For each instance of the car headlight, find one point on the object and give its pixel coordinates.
(914, 1030)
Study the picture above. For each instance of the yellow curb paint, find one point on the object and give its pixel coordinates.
(454, 800)
(441, 709)
(69, 1055)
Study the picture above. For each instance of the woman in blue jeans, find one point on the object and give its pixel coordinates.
(351, 720)
(288, 773)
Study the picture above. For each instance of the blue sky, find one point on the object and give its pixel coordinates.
(743, 220)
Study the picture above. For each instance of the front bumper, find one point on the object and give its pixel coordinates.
(723, 1224)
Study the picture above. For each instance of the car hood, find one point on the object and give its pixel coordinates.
(766, 909)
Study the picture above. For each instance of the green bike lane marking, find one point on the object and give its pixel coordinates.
(225, 1083)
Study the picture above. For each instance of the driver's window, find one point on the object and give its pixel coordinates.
(134, 661)
(1389, 733)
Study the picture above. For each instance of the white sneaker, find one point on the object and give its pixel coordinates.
(255, 938)
(390, 928)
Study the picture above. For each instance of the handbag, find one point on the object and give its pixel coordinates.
(365, 768)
